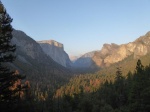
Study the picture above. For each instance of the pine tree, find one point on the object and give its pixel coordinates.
(9, 86)
(120, 88)
(138, 85)
(139, 66)
(118, 73)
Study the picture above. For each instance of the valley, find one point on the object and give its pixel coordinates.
(52, 74)
(39, 73)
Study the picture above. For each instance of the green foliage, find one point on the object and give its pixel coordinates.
(7, 77)
(125, 94)
(107, 90)
(11, 88)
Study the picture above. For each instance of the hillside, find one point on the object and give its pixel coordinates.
(84, 61)
(113, 53)
(92, 81)
(123, 94)
(38, 67)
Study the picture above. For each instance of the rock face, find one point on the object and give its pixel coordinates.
(113, 53)
(32, 61)
(56, 51)
(27, 45)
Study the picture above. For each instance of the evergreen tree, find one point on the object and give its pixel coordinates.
(118, 73)
(120, 88)
(139, 66)
(138, 83)
(9, 86)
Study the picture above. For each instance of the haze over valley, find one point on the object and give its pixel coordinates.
(74, 56)
(101, 58)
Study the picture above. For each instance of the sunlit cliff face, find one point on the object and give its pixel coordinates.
(111, 54)
(56, 51)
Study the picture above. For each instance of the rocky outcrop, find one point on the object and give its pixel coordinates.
(56, 51)
(26, 45)
(32, 60)
(112, 53)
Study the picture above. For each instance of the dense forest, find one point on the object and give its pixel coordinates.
(122, 87)
(123, 94)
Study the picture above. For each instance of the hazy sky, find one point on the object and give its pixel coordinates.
(81, 25)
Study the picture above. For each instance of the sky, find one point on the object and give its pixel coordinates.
(81, 25)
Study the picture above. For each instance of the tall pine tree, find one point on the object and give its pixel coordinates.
(9, 86)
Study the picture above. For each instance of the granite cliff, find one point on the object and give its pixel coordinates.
(32, 61)
(56, 51)
(113, 53)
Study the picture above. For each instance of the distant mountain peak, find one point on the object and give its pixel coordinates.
(73, 58)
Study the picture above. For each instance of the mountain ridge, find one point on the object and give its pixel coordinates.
(84, 61)
(35, 64)
(113, 53)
